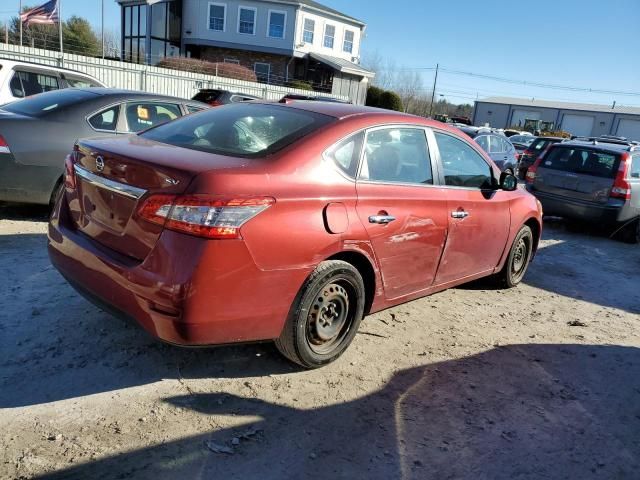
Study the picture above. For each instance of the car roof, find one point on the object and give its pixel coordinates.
(600, 144)
(123, 94)
(12, 63)
(344, 110)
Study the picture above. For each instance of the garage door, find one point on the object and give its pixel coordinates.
(629, 128)
(581, 125)
(519, 116)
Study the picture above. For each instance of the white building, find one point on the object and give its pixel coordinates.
(281, 40)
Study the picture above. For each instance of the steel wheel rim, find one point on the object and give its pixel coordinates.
(330, 316)
(520, 256)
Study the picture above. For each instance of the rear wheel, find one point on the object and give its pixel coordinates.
(631, 233)
(325, 315)
(518, 260)
(57, 191)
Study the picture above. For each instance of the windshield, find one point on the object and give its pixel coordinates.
(241, 129)
(46, 103)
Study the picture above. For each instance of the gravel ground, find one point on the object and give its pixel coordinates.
(541, 381)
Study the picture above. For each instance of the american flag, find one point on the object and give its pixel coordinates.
(46, 14)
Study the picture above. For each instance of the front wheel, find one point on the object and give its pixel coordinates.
(518, 260)
(325, 315)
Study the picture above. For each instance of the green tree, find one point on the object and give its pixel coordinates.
(391, 101)
(77, 33)
(79, 37)
(373, 96)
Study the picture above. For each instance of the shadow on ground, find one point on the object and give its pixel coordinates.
(519, 411)
(34, 213)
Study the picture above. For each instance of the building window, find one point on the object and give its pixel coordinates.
(263, 71)
(217, 16)
(277, 22)
(134, 33)
(309, 29)
(247, 20)
(348, 41)
(329, 34)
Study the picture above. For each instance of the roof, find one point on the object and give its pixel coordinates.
(343, 110)
(318, 6)
(341, 65)
(590, 107)
(311, 4)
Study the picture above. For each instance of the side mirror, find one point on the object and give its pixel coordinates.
(508, 182)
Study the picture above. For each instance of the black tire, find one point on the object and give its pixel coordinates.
(631, 233)
(518, 260)
(57, 191)
(325, 315)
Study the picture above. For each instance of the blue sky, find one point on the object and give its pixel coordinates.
(588, 43)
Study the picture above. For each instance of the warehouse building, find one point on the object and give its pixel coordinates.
(582, 119)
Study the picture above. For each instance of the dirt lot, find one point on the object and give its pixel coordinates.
(542, 381)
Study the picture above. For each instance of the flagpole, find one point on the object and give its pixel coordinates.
(60, 27)
(102, 29)
(20, 17)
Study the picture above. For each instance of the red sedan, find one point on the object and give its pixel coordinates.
(285, 222)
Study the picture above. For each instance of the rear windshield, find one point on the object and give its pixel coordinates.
(46, 103)
(539, 145)
(239, 129)
(582, 161)
(206, 96)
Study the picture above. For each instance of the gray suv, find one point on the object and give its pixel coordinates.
(591, 179)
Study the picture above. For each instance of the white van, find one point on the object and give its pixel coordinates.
(23, 79)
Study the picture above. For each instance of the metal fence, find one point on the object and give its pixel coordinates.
(146, 78)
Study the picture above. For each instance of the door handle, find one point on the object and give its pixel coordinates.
(459, 214)
(381, 219)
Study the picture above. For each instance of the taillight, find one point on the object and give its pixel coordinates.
(533, 169)
(621, 187)
(201, 215)
(4, 146)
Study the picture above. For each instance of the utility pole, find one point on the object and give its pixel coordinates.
(102, 28)
(433, 92)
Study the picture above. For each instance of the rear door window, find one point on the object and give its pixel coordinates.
(582, 161)
(143, 115)
(107, 120)
(483, 141)
(397, 155)
(346, 154)
(25, 84)
(496, 144)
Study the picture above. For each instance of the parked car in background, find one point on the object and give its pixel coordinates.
(313, 98)
(499, 148)
(36, 133)
(180, 226)
(595, 180)
(521, 143)
(533, 151)
(23, 79)
(217, 97)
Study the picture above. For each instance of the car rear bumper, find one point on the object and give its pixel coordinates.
(579, 210)
(188, 291)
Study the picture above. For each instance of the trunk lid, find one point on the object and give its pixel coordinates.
(113, 177)
(578, 173)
